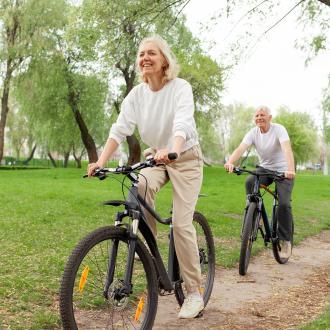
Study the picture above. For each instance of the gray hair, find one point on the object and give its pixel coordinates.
(264, 108)
(172, 69)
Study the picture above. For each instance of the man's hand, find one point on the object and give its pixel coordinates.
(229, 167)
(290, 174)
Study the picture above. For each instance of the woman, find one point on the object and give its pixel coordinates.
(162, 107)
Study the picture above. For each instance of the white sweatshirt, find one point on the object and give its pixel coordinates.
(159, 116)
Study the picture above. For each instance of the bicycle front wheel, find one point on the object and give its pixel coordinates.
(247, 238)
(84, 302)
(206, 250)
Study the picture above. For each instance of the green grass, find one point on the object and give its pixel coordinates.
(321, 323)
(44, 213)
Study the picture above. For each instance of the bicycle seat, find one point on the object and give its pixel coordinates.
(128, 205)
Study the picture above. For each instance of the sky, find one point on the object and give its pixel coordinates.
(273, 72)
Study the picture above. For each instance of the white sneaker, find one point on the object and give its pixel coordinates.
(286, 249)
(192, 306)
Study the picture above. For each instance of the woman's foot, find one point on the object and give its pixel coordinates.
(191, 306)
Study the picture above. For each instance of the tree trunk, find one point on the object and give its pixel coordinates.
(4, 106)
(134, 150)
(76, 157)
(326, 2)
(78, 160)
(86, 138)
(66, 159)
(11, 35)
(52, 160)
(26, 161)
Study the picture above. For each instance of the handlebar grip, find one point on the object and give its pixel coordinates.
(172, 156)
(237, 171)
(85, 176)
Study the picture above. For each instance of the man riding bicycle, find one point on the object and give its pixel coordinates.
(272, 144)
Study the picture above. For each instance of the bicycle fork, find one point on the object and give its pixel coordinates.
(126, 285)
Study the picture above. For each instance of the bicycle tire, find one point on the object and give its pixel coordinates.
(247, 238)
(89, 309)
(275, 242)
(207, 260)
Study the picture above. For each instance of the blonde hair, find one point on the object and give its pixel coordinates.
(172, 69)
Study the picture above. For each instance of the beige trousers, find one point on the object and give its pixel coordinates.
(186, 175)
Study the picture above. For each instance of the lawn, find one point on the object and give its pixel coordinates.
(44, 213)
(321, 323)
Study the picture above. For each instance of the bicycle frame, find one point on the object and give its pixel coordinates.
(139, 223)
(269, 234)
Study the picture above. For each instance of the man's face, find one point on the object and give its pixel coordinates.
(262, 119)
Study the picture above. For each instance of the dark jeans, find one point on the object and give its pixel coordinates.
(284, 213)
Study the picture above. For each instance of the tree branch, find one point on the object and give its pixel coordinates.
(326, 2)
(177, 15)
(275, 24)
(241, 18)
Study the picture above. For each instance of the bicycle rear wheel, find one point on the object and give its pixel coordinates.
(247, 238)
(206, 250)
(276, 242)
(83, 302)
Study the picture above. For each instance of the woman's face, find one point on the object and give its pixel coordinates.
(151, 60)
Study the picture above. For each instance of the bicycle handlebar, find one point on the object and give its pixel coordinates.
(278, 175)
(101, 173)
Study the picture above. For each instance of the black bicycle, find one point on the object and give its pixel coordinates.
(104, 286)
(255, 211)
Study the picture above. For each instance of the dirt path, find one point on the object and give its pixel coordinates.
(269, 296)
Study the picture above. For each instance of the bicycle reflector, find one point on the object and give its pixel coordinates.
(83, 279)
(139, 309)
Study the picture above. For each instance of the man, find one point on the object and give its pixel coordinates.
(272, 144)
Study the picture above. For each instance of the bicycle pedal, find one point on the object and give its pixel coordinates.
(163, 293)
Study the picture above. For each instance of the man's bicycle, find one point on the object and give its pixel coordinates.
(105, 287)
(255, 211)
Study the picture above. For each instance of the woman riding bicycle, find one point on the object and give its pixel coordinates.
(162, 107)
(273, 146)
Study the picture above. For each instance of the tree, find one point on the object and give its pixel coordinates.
(302, 132)
(326, 128)
(18, 131)
(45, 97)
(238, 120)
(23, 25)
(311, 13)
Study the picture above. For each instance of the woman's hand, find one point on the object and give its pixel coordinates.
(161, 156)
(91, 168)
(229, 167)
